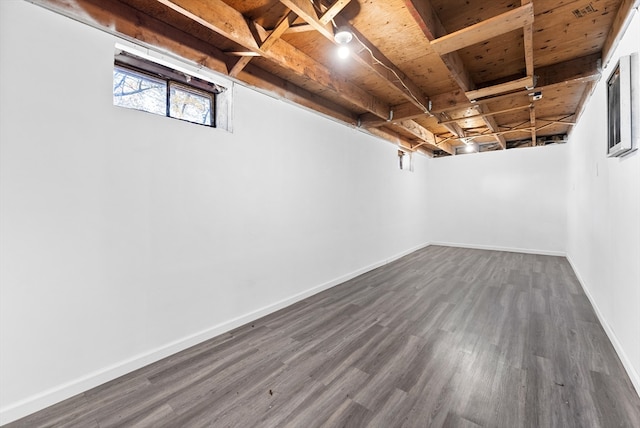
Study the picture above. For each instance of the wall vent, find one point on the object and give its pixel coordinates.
(584, 11)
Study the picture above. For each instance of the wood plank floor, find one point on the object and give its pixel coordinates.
(444, 337)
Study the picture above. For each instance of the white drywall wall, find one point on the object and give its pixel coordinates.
(604, 220)
(510, 200)
(127, 236)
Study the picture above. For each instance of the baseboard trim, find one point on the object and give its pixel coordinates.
(55, 395)
(497, 248)
(626, 361)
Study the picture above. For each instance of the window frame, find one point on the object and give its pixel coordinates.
(154, 71)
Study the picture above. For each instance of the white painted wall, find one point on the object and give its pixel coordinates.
(127, 236)
(603, 242)
(510, 200)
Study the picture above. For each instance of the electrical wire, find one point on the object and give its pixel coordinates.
(425, 109)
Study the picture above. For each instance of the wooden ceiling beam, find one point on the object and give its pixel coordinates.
(432, 27)
(395, 138)
(485, 30)
(405, 111)
(508, 131)
(122, 20)
(265, 81)
(300, 28)
(223, 19)
(446, 147)
(381, 66)
(423, 135)
(333, 10)
(528, 43)
(371, 58)
(452, 127)
(620, 23)
(417, 130)
(586, 66)
(492, 125)
(270, 39)
(532, 120)
(485, 114)
(305, 10)
(514, 85)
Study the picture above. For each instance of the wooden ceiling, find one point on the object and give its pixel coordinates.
(430, 76)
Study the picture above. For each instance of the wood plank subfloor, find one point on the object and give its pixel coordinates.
(444, 337)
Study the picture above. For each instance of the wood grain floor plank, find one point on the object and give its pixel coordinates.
(444, 337)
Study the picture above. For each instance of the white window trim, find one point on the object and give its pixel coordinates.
(224, 99)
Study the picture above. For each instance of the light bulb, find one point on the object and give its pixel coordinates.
(344, 51)
(469, 148)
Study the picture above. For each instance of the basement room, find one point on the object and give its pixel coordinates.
(319, 213)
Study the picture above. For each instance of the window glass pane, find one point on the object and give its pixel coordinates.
(191, 105)
(139, 91)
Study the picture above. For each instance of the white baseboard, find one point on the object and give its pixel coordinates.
(497, 248)
(626, 361)
(52, 396)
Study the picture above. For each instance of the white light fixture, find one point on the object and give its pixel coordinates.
(469, 148)
(344, 52)
(343, 35)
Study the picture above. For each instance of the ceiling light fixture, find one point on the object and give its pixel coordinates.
(343, 35)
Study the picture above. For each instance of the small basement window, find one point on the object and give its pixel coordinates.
(141, 84)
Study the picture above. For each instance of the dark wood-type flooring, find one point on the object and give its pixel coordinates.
(444, 337)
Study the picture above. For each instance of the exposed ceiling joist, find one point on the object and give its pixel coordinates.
(120, 18)
(228, 22)
(620, 22)
(270, 39)
(263, 80)
(492, 125)
(514, 85)
(485, 30)
(398, 140)
(432, 27)
(587, 66)
(491, 113)
(580, 70)
(333, 10)
(375, 89)
(370, 57)
(508, 131)
(417, 130)
(532, 119)
(452, 127)
(300, 28)
(528, 42)
(305, 10)
(406, 111)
